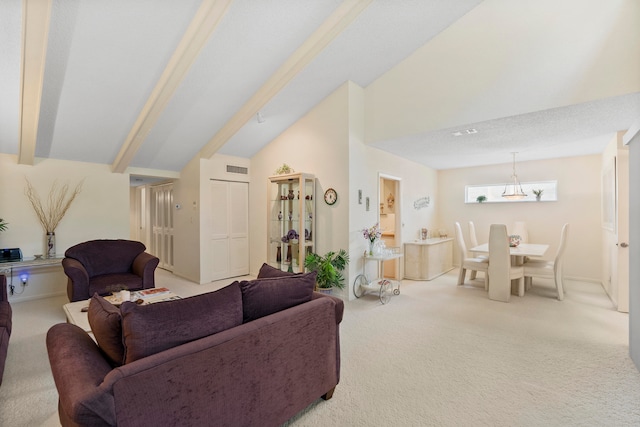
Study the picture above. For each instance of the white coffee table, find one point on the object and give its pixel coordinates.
(76, 316)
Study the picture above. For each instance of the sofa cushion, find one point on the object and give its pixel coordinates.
(265, 296)
(268, 271)
(106, 324)
(150, 329)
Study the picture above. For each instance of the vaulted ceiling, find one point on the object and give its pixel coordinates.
(147, 85)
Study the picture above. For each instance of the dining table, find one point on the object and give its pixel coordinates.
(518, 253)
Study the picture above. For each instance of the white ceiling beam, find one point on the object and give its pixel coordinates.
(36, 15)
(341, 18)
(204, 23)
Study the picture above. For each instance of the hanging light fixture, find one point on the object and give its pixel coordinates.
(513, 189)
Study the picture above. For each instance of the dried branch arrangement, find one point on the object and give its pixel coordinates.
(58, 203)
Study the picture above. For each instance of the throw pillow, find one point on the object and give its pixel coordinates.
(106, 324)
(265, 296)
(268, 271)
(150, 329)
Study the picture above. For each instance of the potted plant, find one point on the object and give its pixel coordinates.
(329, 268)
(481, 198)
(538, 193)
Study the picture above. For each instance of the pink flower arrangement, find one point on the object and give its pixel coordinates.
(373, 233)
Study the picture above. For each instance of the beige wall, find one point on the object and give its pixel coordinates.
(100, 211)
(315, 144)
(328, 142)
(365, 166)
(578, 204)
(186, 223)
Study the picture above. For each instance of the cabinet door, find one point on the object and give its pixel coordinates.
(238, 228)
(229, 229)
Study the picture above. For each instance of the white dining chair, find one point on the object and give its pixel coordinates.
(549, 269)
(470, 263)
(473, 242)
(501, 272)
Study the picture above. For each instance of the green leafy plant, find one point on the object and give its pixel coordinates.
(285, 168)
(481, 199)
(3, 224)
(538, 192)
(329, 268)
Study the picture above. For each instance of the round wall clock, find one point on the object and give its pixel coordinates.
(330, 196)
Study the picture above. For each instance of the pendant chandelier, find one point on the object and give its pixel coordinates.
(513, 189)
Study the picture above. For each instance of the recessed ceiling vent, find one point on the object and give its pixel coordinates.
(237, 169)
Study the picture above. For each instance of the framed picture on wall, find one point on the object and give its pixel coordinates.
(609, 196)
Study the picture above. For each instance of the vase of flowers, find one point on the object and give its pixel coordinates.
(51, 213)
(372, 234)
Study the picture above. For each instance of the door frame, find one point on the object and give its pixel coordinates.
(399, 270)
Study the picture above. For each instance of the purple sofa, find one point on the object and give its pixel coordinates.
(5, 323)
(252, 353)
(104, 266)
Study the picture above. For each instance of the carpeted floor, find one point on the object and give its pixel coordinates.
(437, 354)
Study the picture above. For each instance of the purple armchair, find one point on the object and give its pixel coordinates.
(103, 266)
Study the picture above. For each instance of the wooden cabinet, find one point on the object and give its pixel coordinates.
(428, 259)
(291, 220)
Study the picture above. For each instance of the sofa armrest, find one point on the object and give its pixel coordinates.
(144, 265)
(78, 286)
(78, 369)
(338, 302)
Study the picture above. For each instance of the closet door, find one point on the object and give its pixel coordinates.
(239, 229)
(229, 229)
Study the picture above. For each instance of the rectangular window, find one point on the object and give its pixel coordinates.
(493, 192)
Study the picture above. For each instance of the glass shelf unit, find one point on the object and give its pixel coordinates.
(291, 220)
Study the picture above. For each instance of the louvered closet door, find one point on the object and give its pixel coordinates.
(162, 225)
(229, 229)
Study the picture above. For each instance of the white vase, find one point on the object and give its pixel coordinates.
(50, 244)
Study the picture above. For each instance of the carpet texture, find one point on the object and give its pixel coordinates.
(435, 355)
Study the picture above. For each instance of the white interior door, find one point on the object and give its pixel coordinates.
(162, 224)
(620, 275)
(239, 229)
(229, 229)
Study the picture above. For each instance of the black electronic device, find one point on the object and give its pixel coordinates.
(12, 254)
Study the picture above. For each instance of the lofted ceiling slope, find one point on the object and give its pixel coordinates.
(151, 84)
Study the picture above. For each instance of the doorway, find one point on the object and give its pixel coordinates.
(390, 220)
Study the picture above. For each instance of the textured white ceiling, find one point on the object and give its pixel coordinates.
(104, 59)
(558, 132)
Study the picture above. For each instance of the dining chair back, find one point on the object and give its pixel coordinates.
(467, 262)
(501, 272)
(473, 238)
(550, 269)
